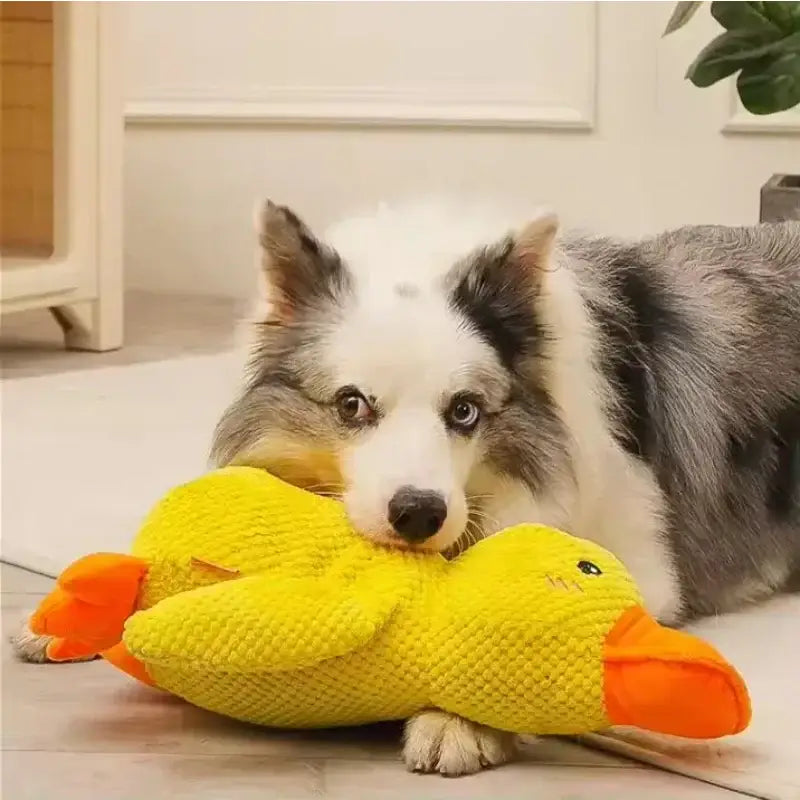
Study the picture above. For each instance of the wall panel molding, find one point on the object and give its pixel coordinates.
(323, 106)
(742, 121)
(507, 103)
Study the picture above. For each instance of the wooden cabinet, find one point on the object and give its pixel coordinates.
(61, 231)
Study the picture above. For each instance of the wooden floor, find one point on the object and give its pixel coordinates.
(85, 731)
(157, 327)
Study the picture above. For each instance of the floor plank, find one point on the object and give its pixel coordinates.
(343, 779)
(134, 776)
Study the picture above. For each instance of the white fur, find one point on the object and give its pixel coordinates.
(414, 242)
(436, 741)
(615, 499)
(27, 645)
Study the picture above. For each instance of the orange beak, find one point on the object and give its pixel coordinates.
(669, 681)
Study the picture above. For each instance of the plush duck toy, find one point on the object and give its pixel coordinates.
(257, 600)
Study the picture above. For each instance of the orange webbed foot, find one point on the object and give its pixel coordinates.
(86, 612)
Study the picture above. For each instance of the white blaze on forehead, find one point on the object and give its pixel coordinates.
(405, 349)
(414, 244)
(399, 338)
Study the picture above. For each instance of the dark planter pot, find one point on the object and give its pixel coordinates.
(780, 198)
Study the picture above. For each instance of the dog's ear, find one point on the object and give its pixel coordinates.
(496, 288)
(533, 245)
(298, 271)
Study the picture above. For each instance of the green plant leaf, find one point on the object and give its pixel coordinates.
(681, 14)
(771, 85)
(727, 54)
(743, 16)
(785, 15)
(761, 41)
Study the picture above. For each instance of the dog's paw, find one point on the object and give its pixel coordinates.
(436, 741)
(29, 646)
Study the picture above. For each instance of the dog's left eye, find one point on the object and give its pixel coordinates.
(463, 414)
(352, 406)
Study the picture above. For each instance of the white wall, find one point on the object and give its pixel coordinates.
(328, 106)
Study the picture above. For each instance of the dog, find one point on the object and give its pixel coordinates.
(448, 374)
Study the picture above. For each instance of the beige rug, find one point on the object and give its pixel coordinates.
(85, 455)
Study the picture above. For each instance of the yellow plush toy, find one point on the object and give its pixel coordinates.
(257, 600)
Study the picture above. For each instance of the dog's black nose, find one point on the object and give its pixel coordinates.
(416, 514)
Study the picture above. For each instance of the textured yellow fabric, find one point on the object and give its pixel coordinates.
(262, 603)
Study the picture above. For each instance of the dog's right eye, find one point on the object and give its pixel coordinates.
(463, 414)
(352, 406)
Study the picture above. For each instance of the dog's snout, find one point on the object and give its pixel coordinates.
(416, 514)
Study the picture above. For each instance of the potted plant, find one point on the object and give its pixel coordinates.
(760, 41)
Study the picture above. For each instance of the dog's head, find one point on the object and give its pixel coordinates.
(395, 364)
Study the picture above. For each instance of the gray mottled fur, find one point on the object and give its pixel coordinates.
(701, 339)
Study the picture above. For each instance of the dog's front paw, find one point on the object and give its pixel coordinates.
(436, 741)
(27, 645)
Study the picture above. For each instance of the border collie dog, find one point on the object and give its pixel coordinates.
(448, 374)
